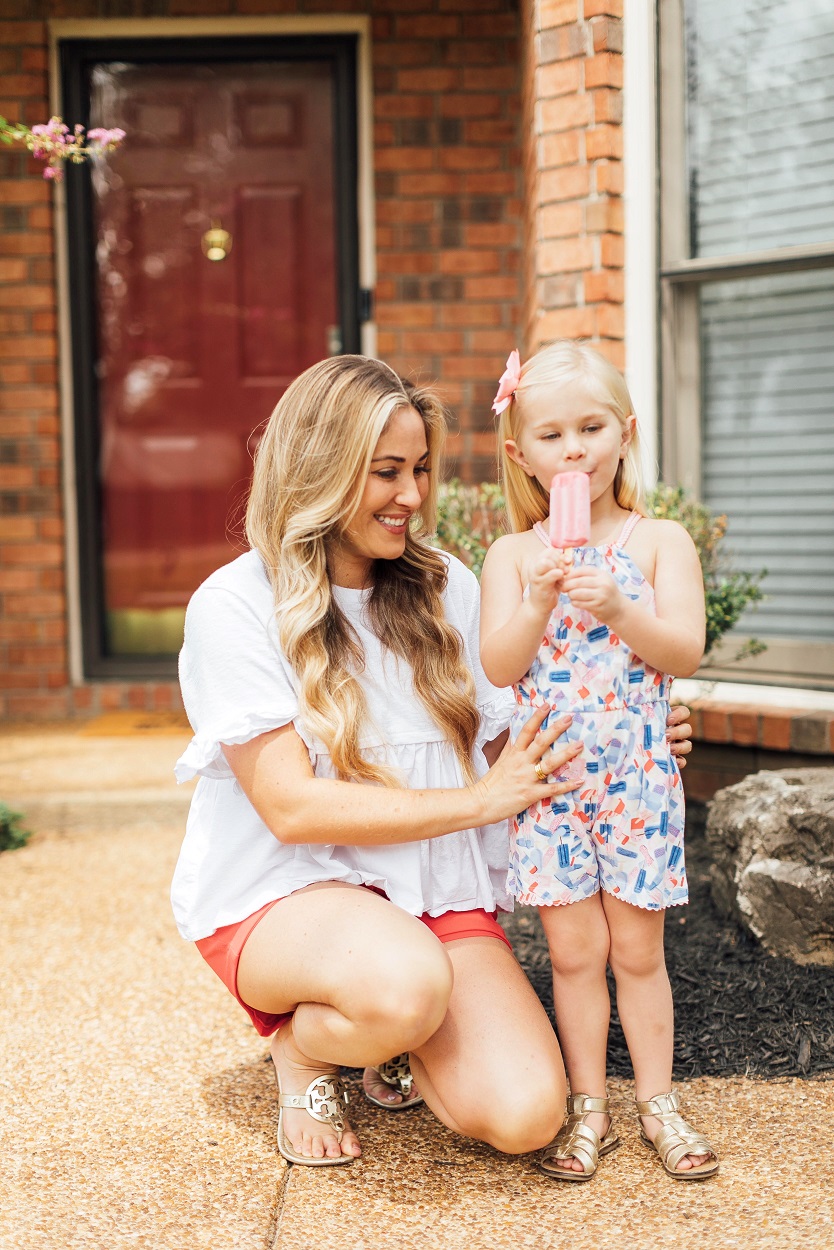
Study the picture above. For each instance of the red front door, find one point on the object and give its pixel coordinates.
(216, 262)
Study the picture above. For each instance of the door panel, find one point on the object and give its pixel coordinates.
(193, 352)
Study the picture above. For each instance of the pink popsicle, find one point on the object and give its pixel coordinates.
(570, 510)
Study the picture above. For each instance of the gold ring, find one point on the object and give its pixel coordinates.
(539, 771)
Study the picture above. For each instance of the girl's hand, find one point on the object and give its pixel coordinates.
(679, 733)
(595, 591)
(512, 784)
(546, 579)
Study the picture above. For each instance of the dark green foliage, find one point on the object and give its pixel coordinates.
(12, 834)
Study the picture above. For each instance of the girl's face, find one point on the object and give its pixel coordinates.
(396, 486)
(565, 428)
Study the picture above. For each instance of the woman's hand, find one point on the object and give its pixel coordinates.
(679, 733)
(512, 784)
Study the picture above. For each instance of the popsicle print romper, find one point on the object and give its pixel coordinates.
(621, 829)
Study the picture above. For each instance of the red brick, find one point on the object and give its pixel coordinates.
(407, 315)
(499, 133)
(12, 33)
(26, 296)
(558, 221)
(402, 105)
(715, 724)
(17, 528)
(428, 79)
(469, 262)
(432, 184)
(565, 255)
(604, 70)
(559, 13)
(608, 285)
(610, 321)
(470, 105)
(406, 262)
(429, 26)
(559, 78)
(497, 26)
(602, 141)
(564, 113)
(18, 579)
(404, 158)
(607, 34)
(560, 149)
(471, 314)
(464, 159)
(604, 215)
(612, 251)
(744, 727)
(491, 77)
(571, 182)
(28, 243)
(501, 184)
(42, 706)
(42, 555)
(602, 8)
(608, 106)
(565, 323)
(608, 177)
(493, 234)
(491, 287)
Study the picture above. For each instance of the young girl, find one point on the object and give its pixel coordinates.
(599, 633)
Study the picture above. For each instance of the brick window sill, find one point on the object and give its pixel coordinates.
(768, 717)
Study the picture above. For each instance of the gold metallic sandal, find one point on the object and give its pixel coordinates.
(397, 1073)
(676, 1139)
(576, 1140)
(326, 1100)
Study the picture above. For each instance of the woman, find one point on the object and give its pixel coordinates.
(346, 847)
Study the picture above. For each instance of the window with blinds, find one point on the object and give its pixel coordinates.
(760, 123)
(747, 169)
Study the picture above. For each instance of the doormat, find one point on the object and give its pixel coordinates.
(121, 724)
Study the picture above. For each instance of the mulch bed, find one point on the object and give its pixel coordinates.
(738, 1010)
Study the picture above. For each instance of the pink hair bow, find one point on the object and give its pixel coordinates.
(508, 383)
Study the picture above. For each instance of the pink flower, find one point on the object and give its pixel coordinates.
(105, 138)
(508, 383)
(52, 173)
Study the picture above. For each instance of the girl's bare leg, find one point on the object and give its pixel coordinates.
(644, 1001)
(493, 1070)
(578, 940)
(364, 979)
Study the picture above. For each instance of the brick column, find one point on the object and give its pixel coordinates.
(573, 75)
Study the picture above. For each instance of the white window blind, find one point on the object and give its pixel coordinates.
(767, 368)
(760, 123)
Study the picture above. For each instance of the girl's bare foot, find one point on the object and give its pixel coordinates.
(305, 1135)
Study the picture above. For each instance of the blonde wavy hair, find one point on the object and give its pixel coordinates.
(311, 467)
(566, 361)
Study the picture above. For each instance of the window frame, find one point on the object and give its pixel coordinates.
(680, 278)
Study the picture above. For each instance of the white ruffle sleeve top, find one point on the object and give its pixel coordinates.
(236, 684)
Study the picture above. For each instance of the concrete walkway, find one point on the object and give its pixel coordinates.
(137, 1109)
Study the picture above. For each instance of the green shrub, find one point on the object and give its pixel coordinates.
(728, 592)
(12, 835)
(470, 518)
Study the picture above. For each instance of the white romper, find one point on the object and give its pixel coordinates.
(236, 684)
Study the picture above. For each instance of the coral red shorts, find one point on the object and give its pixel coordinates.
(222, 950)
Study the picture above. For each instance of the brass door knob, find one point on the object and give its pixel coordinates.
(217, 242)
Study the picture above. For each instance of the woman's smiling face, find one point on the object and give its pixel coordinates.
(396, 486)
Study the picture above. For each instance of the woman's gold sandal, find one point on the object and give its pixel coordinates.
(576, 1140)
(326, 1100)
(676, 1139)
(397, 1073)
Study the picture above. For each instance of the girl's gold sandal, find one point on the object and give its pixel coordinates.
(576, 1140)
(676, 1139)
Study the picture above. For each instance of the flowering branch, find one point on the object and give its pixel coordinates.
(55, 143)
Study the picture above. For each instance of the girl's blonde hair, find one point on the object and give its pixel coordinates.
(565, 361)
(310, 471)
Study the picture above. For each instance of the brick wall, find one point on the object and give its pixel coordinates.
(573, 173)
(447, 153)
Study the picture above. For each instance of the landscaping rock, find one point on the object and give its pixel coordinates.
(771, 838)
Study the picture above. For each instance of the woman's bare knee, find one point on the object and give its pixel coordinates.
(407, 999)
(519, 1123)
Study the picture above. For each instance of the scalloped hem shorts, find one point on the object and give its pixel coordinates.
(223, 948)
